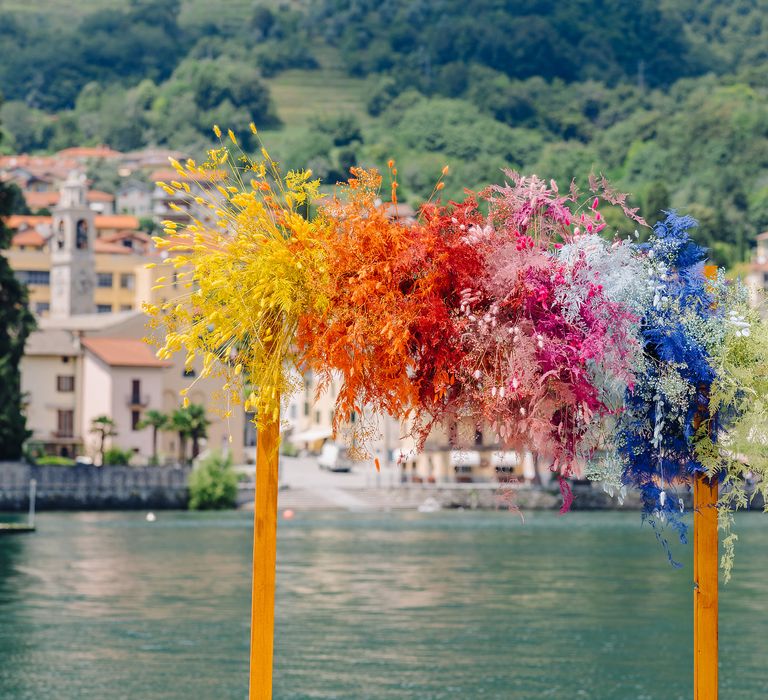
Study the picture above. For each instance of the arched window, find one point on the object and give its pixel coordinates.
(81, 238)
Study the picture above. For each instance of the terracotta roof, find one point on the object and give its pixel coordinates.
(122, 235)
(46, 168)
(99, 196)
(117, 221)
(762, 236)
(30, 237)
(25, 161)
(41, 200)
(17, 221)
(89, 152)
(123, 352)
(102, 246)
(38, 200)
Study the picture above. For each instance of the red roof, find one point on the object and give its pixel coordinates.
(41, 200)
(122, 235)
(116, 221)
(102, 221)
(102, 246)
(25, 161)
(46, 168)
(108, 244)
(29, 237)
(123, 352)
(89, 152)
(18, 220)
(99, 196)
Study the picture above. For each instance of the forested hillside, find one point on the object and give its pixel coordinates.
(669, 98)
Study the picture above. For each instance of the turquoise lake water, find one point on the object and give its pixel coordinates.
(407, 606)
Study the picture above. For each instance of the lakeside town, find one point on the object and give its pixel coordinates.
(84, 252)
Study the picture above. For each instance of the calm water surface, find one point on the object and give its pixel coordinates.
(407, 606)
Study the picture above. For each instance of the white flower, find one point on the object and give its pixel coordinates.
(741, 324)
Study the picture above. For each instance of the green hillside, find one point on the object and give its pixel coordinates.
(191, 11)
(303, 95)
(669, 98)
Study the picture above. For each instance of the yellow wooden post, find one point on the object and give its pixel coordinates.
(264, 552)
(705, 570)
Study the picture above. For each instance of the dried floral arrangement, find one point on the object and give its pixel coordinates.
(513, 308)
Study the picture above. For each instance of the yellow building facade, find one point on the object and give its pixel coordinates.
(123, 282)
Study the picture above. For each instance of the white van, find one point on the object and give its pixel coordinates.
(334, 458)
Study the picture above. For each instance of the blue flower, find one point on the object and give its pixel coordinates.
(656, 432)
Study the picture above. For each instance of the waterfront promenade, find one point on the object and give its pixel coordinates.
(306, 487)
(303, 487)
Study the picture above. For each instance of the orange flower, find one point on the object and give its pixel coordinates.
(387, 329)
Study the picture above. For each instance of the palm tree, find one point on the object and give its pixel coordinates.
(181, 423)
(198, 426)
(104, 427)
(157, 420)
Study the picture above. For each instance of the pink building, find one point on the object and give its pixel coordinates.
(121, 379)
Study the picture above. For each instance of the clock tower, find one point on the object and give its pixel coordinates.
(73, 274)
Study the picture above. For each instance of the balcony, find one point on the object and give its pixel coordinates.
(137, 400)
(64, 436)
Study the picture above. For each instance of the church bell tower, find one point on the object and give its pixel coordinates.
(72, 262)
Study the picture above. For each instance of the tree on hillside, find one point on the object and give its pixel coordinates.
(157, 420)
(16, 323)
(104, 427)
(656, 202)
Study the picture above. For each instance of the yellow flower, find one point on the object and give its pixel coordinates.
(255, 271)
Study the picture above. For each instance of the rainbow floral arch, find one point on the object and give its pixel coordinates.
(518, 307)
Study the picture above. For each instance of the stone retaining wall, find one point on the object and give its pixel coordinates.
(86, 487)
